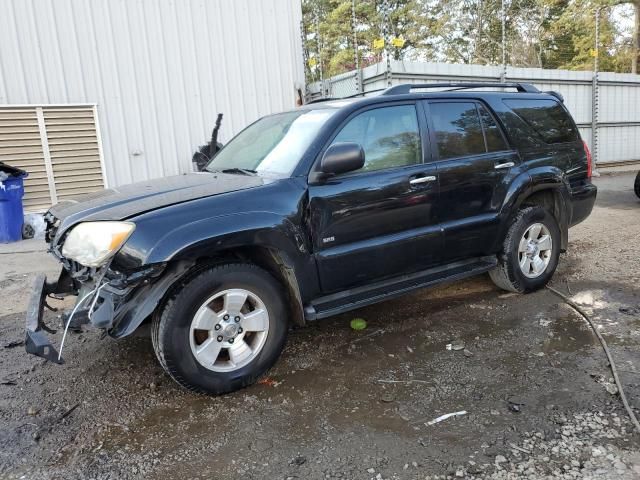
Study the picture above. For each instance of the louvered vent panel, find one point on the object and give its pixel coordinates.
(20, 146)
(73, 146)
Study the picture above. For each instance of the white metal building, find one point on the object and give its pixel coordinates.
(108, 92)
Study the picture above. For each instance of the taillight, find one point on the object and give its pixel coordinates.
(589, 160)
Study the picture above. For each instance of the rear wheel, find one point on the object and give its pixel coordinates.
(636, 185)
(530, 252)
(221, 330)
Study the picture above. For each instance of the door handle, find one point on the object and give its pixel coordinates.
(504, 165)
(419, 180)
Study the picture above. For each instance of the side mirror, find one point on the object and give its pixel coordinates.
(342, 158)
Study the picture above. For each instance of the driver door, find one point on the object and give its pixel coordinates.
(379, 221)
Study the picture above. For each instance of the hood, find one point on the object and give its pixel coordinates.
(128, 201)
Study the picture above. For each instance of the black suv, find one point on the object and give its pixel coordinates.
(317, 211)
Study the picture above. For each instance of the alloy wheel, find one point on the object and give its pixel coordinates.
(229, 330)
(534, 250)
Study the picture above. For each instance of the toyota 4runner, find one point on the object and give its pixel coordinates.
(317, 211)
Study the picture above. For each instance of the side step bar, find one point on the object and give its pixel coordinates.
(346, 300)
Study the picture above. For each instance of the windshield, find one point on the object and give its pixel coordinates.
(272, 145)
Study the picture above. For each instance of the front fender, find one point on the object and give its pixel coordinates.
(204, 237)
(255, 229)
(182, 247)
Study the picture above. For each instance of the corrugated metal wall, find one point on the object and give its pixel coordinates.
(618, 117)
(159, 71)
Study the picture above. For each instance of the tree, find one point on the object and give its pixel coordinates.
(575, 28)
(538, 33)
(635, 52)
(329, 32)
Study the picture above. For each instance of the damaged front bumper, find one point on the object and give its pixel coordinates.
(36, 341)
(118, 306)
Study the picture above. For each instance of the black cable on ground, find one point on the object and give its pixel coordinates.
(612, 364)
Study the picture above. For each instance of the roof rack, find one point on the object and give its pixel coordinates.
(354, 95)
(406, 88)
(321, 99)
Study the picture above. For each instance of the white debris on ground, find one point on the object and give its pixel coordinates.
(36, 221)
(588, 446)
(591, 298)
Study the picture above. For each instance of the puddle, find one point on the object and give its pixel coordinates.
(329, 385)
(569, 333)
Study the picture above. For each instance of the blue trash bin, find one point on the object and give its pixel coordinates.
(11, 212)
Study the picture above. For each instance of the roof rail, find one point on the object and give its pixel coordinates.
(406, 88)
(321, 99)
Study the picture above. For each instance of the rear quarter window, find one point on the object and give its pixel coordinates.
(547, 118)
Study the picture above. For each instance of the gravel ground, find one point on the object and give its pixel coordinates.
(356, 405)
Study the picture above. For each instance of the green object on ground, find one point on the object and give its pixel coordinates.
(358, 324)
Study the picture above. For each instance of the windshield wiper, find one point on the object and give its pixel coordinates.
(244, 171)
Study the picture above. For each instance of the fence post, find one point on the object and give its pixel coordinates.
(503, 74)
(305, 60)
(385, 35)
(355, 46)
(594, 92)
(358, 80)
(319, 46)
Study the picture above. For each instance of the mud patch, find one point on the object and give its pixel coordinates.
(346, 404)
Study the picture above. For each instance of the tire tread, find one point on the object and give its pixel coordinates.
(161, 323)
(501, 275)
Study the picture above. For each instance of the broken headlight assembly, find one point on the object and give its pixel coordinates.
(92, 243)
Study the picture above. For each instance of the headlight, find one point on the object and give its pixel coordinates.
(92, 243)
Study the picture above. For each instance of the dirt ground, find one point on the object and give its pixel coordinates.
(356, 405)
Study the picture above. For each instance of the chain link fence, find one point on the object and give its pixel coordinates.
(340, 43)
(512, 52)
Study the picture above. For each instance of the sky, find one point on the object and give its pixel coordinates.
(623, 15)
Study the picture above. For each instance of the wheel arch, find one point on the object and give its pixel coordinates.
(271, 242)
(547, 188)
(277, 262)
(274, 244)
(552, 199)
(180, 270)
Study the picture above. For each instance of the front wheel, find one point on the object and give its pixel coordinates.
(530, 252)
(222, 330)
(636, 185)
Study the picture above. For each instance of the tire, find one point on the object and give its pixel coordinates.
(636, 185)
(28, 231)
(509, 275)
(204, 301)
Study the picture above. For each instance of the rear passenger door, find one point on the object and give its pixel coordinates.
(474, 164)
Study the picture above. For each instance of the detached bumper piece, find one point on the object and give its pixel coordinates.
(36, 342)
(122, 303)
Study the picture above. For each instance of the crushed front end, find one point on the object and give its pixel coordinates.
(108, 299)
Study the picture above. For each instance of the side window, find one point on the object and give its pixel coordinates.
(457, 129)
(495, 140)
(390, 136)
(547, 118)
